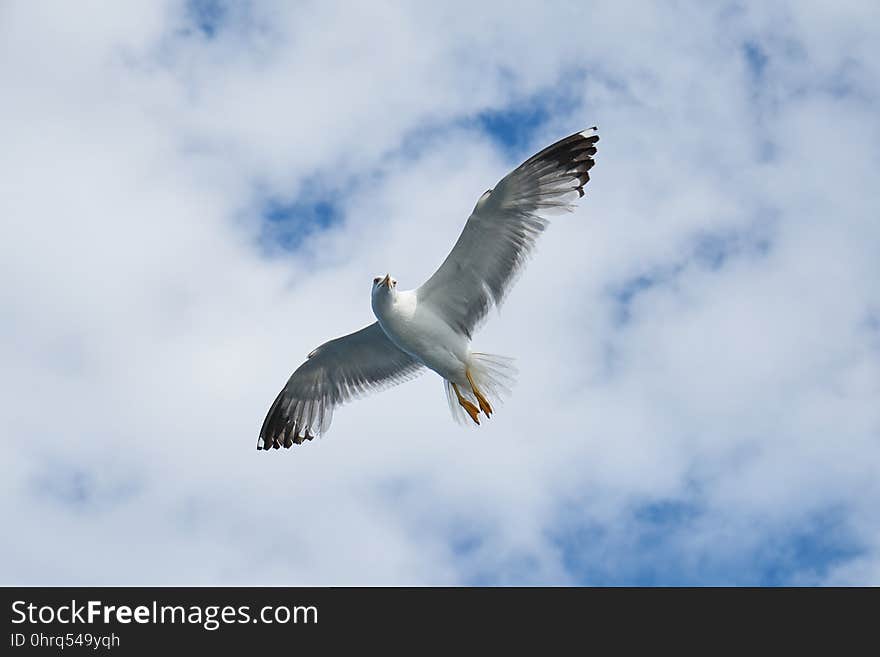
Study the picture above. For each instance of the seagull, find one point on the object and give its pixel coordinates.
(432, 326)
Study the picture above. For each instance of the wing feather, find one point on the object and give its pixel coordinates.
(502, 230)
(336, 372)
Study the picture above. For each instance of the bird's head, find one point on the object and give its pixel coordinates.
(384, 285)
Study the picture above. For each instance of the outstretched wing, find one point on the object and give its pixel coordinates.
(335, 372)
(502, 230)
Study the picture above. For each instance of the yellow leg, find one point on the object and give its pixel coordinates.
(472, 410)
(484, 403)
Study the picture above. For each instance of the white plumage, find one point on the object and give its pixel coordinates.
(432, 326)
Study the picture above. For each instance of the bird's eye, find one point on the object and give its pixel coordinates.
(377, 279)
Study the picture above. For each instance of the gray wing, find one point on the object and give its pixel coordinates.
(335, 372)
(502, 230)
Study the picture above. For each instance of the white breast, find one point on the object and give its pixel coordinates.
(422, 334)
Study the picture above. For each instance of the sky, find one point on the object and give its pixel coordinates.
(197, 194)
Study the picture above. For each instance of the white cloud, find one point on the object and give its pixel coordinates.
(146, 328)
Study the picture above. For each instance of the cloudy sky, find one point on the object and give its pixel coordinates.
(196, 194)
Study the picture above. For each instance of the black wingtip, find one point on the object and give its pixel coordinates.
(287, 437)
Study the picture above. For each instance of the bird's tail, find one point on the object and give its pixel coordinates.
(493, 375)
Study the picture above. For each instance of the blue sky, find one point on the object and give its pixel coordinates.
(202, 192)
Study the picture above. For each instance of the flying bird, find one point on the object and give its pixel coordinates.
(432, 326)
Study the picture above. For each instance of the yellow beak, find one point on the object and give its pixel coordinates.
(386, 281)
